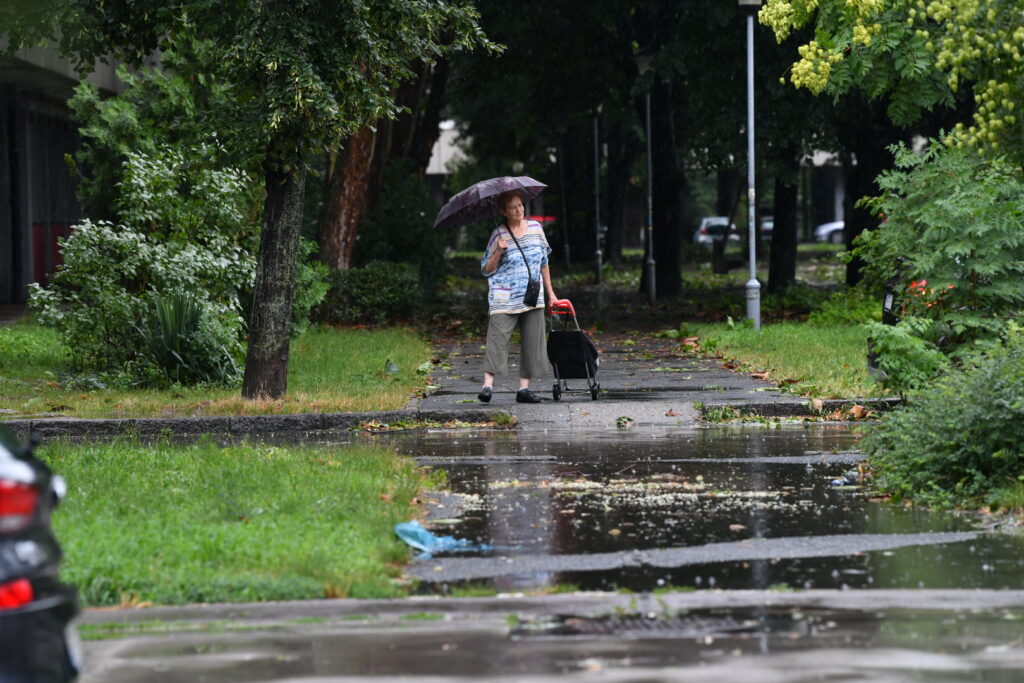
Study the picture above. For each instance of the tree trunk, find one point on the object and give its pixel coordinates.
(266, 362)
(782, 259)
(346, 198)
(623, 149)
(866, 131)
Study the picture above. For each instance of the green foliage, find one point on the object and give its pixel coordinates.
(866, 45)
(959, 440)
(177, 524)
(181, 227)
(905, 355)
(159, 107)
(301, 75)
(918, 54)
(848, 306)
(311, 287)
(375, 293)
(955, 222)
(399, 228)
(178, 341)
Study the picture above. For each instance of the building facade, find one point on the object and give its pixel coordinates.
(38, 204)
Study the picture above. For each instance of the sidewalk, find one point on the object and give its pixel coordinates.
(644, 383)
(651, 381)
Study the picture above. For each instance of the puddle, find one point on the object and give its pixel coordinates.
(551, 494)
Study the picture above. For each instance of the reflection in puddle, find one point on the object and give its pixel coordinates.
(552, 493)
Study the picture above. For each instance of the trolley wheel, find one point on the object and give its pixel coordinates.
(556, 391)
(594, 391)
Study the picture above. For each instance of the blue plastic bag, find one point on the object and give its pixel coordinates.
(416, 536)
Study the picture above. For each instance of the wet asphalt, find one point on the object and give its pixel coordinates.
(629, 538)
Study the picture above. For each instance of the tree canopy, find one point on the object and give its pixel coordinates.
(919, 54)
(302, 74)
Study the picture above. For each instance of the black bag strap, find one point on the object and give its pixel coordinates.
(529, 274)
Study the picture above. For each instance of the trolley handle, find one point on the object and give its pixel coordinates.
(562, 307)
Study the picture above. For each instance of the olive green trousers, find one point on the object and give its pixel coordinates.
(533, 360)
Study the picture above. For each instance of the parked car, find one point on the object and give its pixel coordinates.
(830, 232)
(712, 229)
(38, 640)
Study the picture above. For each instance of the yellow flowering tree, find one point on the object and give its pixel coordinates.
(918, 53)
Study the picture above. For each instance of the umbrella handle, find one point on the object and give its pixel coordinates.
(562, 307)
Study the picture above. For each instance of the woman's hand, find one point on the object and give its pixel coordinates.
(502, 244)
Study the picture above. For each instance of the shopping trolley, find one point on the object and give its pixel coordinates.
(571, 353)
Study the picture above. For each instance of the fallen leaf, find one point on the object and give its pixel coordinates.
(386, 497)
(672, 413)
(785, 382)
(759, 375)
(730, 365)
(859, 412)
(736, 527)
(614, 532)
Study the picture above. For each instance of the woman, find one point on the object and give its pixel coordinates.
(509, 266)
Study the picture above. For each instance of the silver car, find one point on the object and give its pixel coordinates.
(833, 232)
(712, 229)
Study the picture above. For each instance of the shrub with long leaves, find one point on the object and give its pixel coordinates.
(182, 344)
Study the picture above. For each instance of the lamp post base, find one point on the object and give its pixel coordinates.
(753, 291)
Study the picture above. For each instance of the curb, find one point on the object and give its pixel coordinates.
(228, 427)
(310, 425)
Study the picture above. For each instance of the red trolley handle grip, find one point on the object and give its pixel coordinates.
(562, 307)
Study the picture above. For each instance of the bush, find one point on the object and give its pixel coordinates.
(956, 222)
(181, 227)
(183, 346)
(310, 287)
(376, 293)
(848, 306)
(400, 227)
(962, 440)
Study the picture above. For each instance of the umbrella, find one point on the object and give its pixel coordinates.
(476, 202)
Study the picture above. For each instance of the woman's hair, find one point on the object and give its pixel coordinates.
(505, 197)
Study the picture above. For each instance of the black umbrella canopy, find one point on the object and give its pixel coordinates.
(476, 202)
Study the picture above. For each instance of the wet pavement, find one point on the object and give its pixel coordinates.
(653, 548)
(653, 382)
(703, 553)
(728, 507)
(706, 636)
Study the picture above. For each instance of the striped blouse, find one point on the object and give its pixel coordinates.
(508, 281)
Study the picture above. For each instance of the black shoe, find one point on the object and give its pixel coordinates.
(485, 395)
(527, 396)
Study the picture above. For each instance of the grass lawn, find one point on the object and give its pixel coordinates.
(330, 370)
(824, 361)
(171, 524)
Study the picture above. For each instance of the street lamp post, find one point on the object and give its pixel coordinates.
(597, 201)
(753, 287)
(643, 65)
